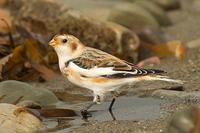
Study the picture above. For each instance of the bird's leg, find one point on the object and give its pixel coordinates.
(84, 111)
(110, 109)
(111, 104)
(88, 107)
(115, 94)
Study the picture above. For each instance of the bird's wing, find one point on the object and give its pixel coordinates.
(94, 62)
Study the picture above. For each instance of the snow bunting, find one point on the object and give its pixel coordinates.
(97, 70)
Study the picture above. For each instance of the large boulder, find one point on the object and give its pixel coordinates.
(53, 19)
(133, 16)
(14, 119)
(156, 11)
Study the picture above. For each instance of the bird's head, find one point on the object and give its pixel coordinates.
(66, 45)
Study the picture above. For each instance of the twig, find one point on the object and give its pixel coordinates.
(17, 101)
(12, 43)
(2, 97)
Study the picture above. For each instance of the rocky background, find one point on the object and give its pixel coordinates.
(162, 34)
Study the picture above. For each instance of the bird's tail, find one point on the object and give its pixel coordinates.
(163, 78)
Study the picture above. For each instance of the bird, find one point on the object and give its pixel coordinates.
(98, 71)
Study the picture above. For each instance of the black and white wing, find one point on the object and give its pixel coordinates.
(93, 63)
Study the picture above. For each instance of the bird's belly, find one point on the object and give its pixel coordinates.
(75, 78)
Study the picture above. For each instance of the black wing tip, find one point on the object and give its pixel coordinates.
(157, 71)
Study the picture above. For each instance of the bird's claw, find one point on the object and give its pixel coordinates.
(85, 114)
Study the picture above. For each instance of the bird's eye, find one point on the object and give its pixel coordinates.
(64, 40)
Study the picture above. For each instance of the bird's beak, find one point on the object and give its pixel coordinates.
(52, 43)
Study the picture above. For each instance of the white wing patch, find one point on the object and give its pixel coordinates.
(94, 72)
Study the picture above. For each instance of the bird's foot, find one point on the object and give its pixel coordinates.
(85, 114)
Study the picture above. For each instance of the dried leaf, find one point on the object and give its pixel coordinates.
(4, 50)
(45, 72)
(65, 96)
(3, 2)
(57, 112)
(6, 16)
(3, 62)
(4, 41)
(52, 56)
(170, 48)
(26, 63)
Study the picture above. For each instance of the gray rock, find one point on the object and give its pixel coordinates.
(156, 11)
(96, 9)
(12, 91)
(132, 16)
(14, 119)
